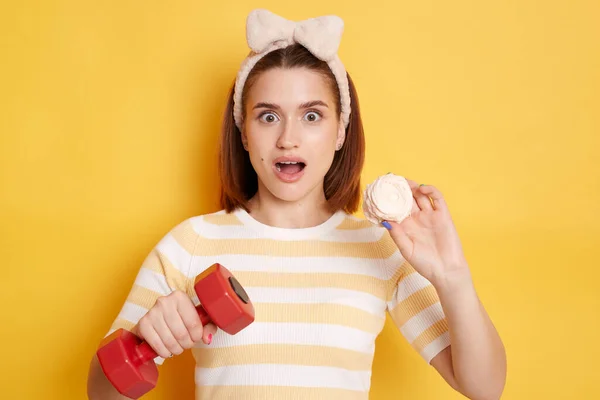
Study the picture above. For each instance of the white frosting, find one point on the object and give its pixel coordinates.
(388, 198)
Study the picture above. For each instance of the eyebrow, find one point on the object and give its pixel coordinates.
(308, 104)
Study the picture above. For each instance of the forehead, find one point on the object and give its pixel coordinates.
(290, 87)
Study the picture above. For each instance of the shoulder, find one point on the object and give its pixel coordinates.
(182, 240)
(361, 229)
(204, 224)
(351, 222)
(371, 241)
(375, 240)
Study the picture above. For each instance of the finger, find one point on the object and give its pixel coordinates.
(423, 200)
(163, 330)
(147, 332)
(178, 329)
(189, 315)
(209, 331)
(420, 202)
(413, 186)
(436, 196)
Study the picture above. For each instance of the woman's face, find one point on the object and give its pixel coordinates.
(291, 130)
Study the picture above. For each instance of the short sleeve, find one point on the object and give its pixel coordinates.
(164, 270)
(415, 308)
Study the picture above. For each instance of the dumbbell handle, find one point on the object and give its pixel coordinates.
(143, 351)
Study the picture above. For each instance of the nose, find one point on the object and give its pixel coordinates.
(289, 137)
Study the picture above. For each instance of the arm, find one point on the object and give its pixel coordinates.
(163, 272)
(475, 363)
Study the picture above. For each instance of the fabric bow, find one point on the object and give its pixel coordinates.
(321, 36)
(267, 32)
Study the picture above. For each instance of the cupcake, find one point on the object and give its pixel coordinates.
(388, 198)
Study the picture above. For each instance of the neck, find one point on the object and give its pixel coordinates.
(305, 213)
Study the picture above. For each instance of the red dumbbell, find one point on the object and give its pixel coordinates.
(128, 361)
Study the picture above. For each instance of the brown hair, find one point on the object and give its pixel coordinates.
(239, 181)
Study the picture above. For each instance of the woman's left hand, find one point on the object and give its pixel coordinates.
(428, 239)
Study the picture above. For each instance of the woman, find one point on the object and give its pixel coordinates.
(321, 280)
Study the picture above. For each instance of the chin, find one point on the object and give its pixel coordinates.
(288, 192)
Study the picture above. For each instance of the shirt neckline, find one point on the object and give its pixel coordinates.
(290, 233)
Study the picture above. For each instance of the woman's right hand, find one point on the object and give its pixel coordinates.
(173, 325)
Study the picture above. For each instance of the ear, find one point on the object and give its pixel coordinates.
(341, 136)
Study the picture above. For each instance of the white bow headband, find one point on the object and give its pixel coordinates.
(266, 32)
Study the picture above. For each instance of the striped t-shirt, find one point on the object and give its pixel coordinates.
(320, 295)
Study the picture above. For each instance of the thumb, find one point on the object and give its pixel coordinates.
(401, 239)
(209, 331)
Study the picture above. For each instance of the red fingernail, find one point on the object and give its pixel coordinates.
(209, 338)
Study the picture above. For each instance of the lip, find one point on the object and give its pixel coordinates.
(288, 178)
(289, 159)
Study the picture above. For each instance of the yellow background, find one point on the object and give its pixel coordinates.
(109, 116)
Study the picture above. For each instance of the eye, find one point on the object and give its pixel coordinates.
(312, 116)
(268, 117)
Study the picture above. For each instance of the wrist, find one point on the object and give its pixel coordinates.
(455, 280)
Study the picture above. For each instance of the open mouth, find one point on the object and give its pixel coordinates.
(289, 167)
